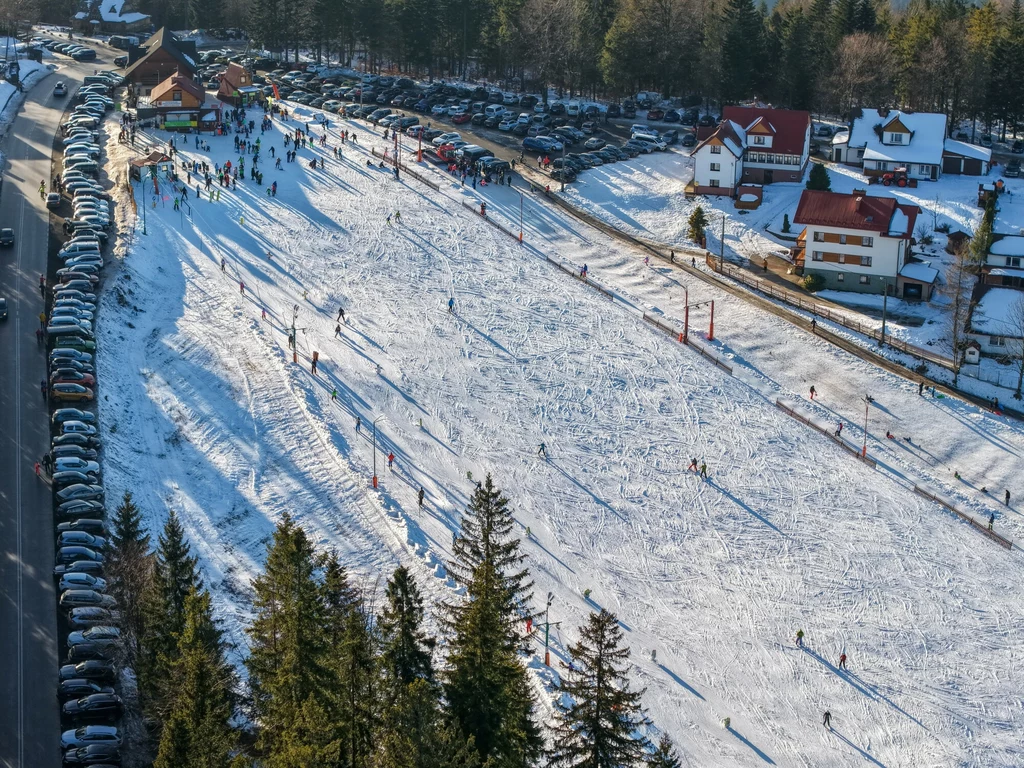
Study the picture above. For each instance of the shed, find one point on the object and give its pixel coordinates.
(916, 281)
(955, 241)
(156, 159)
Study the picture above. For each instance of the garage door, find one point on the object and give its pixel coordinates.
(951, 165)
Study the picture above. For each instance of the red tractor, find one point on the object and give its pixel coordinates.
(897, 177)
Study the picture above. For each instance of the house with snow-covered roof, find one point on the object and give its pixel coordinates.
(157, 59)
(995, 324)
(1004, 263)
(752, 145)
(857, 242)
(883, 140)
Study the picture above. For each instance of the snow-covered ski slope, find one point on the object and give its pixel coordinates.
(203, 411)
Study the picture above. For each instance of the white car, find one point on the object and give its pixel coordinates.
(66, 463)
(455, 109)
(439, 110)
(446, 138)
(73, 580)
(525, 118)
(77, 428)
(507, 124)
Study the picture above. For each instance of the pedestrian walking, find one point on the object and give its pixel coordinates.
(813, 392)
(420, 498)
(814, 325)
(37, 468)
(42, 320)
(827, 721)
(920, 388)
(839, 430)
(42, 388)
(991, 520)
(391, 460)
(39, 335)
(315, 361)
(842, 661)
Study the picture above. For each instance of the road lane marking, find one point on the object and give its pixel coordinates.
(18, 501)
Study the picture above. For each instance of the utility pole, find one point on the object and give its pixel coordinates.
(864, 449)
(721, 246)
(547, 629)
(520, 217)
(563, 167)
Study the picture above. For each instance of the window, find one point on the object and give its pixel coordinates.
(865, 279)
(865, 261)
(840, 277)
(997, 341)
(897, 138)
(842, 258)
(716, 166)
(175, 95)
(819, 237)
(817, 256)
(759, 139)
(868, 242)
(842, 239)
(1013, 261)
(713, 183)
(716, 149)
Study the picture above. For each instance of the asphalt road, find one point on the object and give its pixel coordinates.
(29, 723)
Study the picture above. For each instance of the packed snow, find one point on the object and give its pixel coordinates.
(203, 411)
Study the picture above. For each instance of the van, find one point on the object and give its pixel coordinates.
(478, 106)
(542, 120)
(473, 152)
(494, 110)
(572, 109)
(97, 80)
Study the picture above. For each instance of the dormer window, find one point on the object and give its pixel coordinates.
(759, 139)
(897, 138)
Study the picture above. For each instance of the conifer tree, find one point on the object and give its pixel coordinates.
(665, 755)
(174, 577)
(405, 647)
(129, 571)
(697, 222)
(287, 664)
(741, 51)
(355, 656)
(818, 178)
(599, 726)
(198, 731)
(485, 684)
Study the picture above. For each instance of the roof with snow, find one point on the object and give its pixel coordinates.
(964, 149)
(925, 144)
(180, 83)
(1007, 245)
(111, 12)
(1006, 272)
(788, 127)
(992, 314)
(729, 134)
(920, 272)
(856, 211)
(184, 51)
(842, 137)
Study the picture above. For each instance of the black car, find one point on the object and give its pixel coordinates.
(672, 116)
(689, 140)
(614, 110)
(520, 129)
(478, 119)
(1017, 147)
(1012, 169)
(80, 508)
(6, 237)
(65, 478)
(564, 175)
(706, 121)
(87, 524)
(76, 688)
(94, 754)
(79, 566)
(67, 555)
(98, 671)
(3, 308)
(556, 108)
(528, 102)
(670, 137)
(93, 708)
(89, 651)
(86, 441)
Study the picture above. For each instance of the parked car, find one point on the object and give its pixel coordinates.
(81, 492)
(102, 706)
(1017, 147)
(81, 581)
(655, 114)
(1012, 169)
(98, 634)
(99, 671)
(86, 598)
(71, 393)
(81, 538)
(73, 450)
(95, 754)
(83, 618)
(90, 734)
(986, 140)
(77, 687)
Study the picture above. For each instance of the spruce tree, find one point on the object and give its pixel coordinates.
(287, 664)
(488, 695)
(665, 755)
(355, 656)
(741, 51)
(129, 571)
(697, 222)
(174, 577)
(598, 727)
(818, 178)
(199, 727)
(405, 647)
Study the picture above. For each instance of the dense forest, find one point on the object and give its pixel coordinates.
(951, 56)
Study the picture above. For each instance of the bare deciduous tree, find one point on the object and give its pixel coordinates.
(1015, 334)
(862, 76)
(958, 288)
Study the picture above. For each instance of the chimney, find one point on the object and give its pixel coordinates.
(859, 193)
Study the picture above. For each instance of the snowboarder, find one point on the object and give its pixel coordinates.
(542, 451)
(842, 661)
(693, 465)
(799, 638)
(391, 460)
(337, 331)
(704, 470)
(827, 721)
(813, 392)
(839, 430)
(420, 497)
(451, 305)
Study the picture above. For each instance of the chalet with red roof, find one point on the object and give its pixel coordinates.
(752, 145)
(857, 242)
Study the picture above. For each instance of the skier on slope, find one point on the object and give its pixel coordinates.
(341, 314)
(813, 392)
(542, 451)
(337, 331)
(451, 305)
(693, 465)
(827, 720)
(420, 497)
(842, 661)
(704, 470)
(799, 638)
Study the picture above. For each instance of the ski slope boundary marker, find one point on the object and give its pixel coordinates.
(1002, 541)
(855, 452)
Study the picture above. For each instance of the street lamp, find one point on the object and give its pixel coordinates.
(547, 629)
(885, 301)
(375, 450)
(864, 448)
(721, 246)
(520, 216)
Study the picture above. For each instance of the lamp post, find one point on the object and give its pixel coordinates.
(520, 217)
(547, 629)
(721, 246)
(563, 168)
(375, 450)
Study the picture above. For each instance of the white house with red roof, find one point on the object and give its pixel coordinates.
(861, 243)
(752, 145)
